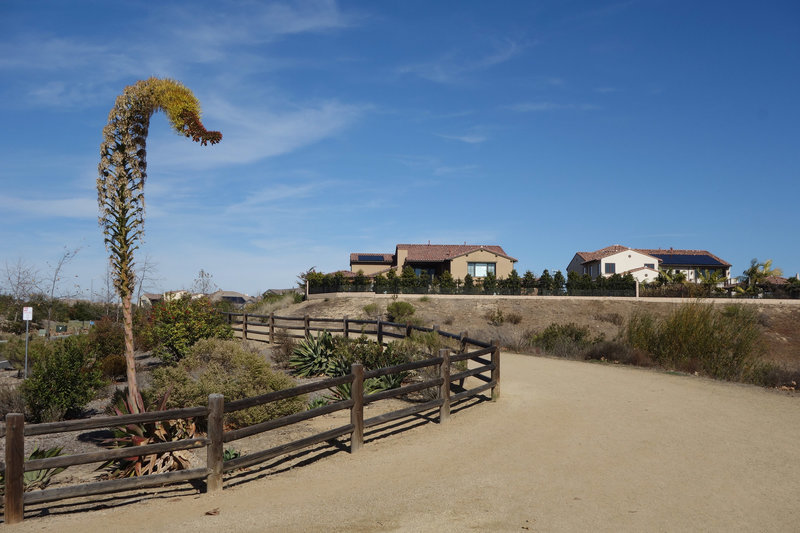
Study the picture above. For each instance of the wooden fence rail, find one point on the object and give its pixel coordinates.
(259, 328)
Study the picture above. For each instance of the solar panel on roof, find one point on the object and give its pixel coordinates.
(687, 259)
(370, 258)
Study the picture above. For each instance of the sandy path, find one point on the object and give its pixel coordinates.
(570, 447)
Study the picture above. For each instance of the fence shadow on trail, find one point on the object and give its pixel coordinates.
(451, 392)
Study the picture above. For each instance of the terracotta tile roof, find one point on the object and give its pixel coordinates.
(666, 253)
(360, 258)
(437, 253)
(602, 252)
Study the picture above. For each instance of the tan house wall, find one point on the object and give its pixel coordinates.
(368, 268)
(401, 260)
(503, 267)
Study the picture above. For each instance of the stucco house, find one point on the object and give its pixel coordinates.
(644, 264)
(477, 260)
(691, 262)
(615, 259)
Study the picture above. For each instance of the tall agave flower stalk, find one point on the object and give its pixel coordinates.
(122, 173)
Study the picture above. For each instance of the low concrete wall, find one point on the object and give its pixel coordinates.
(720, 301)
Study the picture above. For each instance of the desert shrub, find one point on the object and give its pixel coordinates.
(230, 368)
(64, 379)
(11, 400)
(564, 340)
(312, 355)
(179, 323)
(107, 338)
(772, 375)
(425, 299)
(495, 317)
(614, 318)
(113, 367)
(36, 479)
(145, 433)
(400, 312)
(514, 318)
(724, 344)
(284, 347)
(618, 352)
(144, 338)
(373, 310)
(14, 350)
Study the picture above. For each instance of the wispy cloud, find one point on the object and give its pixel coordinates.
(529, 107)
(250, 135)
(64, 207)
(452, 67)
(473, 138)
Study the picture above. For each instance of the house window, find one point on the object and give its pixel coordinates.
(480, 270)
(611, 268)
(650, 265)
(429, 271)
(584, 270)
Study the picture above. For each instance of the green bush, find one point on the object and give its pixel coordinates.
(107, 338)
(64, 379)
(724, 344)
(400, 312)
(564, 340)
(230, 368)
(178, 324)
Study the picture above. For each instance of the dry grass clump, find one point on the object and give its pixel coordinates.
(725, 344)
(284, 348)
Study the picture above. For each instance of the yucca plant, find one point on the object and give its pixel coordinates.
(148, 433)
(312, 355)
(37, 479)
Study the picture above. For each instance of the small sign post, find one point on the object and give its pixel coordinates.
(27, 316)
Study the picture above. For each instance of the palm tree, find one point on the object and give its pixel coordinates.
(670, 277)
(122, 173)
(757, 274)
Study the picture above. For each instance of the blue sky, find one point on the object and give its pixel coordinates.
(546, 127)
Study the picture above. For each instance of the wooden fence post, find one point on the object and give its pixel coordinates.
(463, 348)
(346, 327)
(15, 459)
(408, 330)
(272, 328)
(357, 411)
(214, 451)
(380, 335)
(306, 323)
(244, 327)
(496, 371)
(444, 388)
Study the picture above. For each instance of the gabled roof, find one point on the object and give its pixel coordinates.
(686, 257)
(437, 253)
(587, 257)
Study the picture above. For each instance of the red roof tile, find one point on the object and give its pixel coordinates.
(436, 253)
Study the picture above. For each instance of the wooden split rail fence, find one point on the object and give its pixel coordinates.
(487, 355)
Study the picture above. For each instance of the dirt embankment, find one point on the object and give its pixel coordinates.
(780, 321)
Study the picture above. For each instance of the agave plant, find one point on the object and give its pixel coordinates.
(37, 479)
(148, 433)
(312, 355)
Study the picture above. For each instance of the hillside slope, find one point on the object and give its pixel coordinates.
(606, 316)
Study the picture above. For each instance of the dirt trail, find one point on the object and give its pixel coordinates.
(570, 446)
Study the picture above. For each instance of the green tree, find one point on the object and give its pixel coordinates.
(122, 174)
(758, 273)
(447, 284)
(360, 281)
(545, 282)
(559, 282)
(408, 279)
(469, 284)
(513, 283)
(489, 283)
(528, 281)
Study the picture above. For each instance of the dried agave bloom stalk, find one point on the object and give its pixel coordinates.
(122, 173)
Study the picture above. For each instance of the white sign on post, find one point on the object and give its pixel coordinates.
(27, 313)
